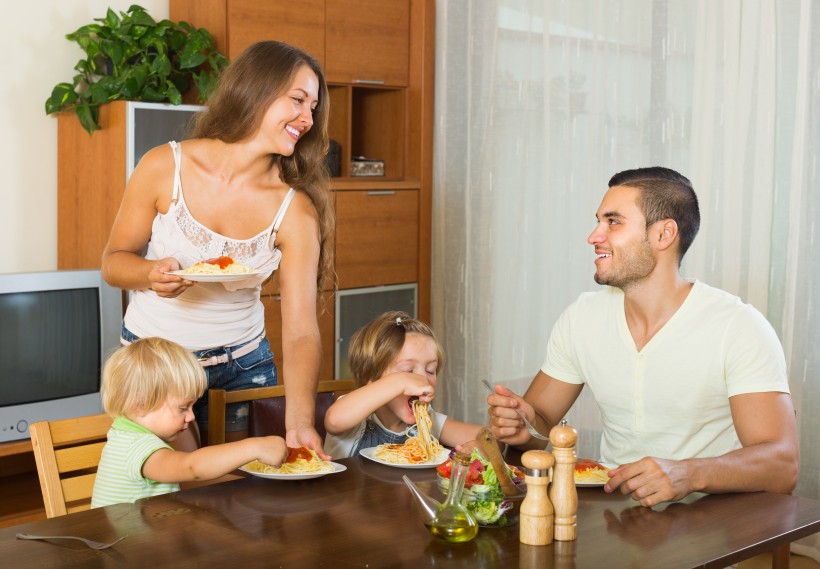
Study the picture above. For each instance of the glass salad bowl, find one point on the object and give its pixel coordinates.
(482, 494)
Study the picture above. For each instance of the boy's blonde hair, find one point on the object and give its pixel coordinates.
(143, 375)
(375, 345)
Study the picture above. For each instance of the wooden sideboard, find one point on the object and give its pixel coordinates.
(20, 497)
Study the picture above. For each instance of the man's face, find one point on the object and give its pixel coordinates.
(624, 255)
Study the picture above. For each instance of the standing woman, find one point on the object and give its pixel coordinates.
(251, 185)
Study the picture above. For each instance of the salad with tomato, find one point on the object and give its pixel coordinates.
(482, 493)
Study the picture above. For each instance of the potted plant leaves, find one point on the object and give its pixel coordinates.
(133, 57)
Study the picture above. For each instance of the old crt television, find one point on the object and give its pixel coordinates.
(56, 330)
(153, 124)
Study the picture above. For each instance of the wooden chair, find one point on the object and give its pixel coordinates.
(267, 408)
(67, 453)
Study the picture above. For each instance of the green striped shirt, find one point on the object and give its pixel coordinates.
(119, 475)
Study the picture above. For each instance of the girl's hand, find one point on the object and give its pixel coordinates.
(271, 450)
(165, 285)
(417, 386)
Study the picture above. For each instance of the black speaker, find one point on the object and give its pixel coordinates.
(333, 159)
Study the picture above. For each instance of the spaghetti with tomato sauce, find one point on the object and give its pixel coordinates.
(590, 472)
(417, 449)
(300, 460)
(219, 265)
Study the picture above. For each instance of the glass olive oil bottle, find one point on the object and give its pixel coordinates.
(453, 522)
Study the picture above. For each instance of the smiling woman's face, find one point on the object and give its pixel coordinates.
(290, 116)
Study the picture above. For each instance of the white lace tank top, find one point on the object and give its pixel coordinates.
(208, 315)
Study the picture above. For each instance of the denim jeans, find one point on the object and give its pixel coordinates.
(255, 369)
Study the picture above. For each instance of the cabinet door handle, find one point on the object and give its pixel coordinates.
(381, 193)
(369, 81)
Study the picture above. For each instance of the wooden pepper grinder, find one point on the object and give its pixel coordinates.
(563, 495)
(536, 513)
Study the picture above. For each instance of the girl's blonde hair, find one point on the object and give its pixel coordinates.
(143, 375)
(376, 345)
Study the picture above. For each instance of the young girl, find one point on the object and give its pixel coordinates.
(395, 359)
(149, 387)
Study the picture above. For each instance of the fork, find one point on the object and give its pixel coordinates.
(530, 429)
(90, 543)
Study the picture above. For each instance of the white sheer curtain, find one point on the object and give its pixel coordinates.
(539, 102)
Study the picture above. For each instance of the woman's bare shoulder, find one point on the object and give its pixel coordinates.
(300, 219)
(153, 178)
(302, 201)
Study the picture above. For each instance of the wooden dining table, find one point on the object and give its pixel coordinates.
(366, 517)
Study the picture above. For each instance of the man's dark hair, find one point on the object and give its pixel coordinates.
(665, 194)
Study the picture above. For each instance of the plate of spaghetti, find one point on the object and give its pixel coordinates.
(590, 473)
(418, 451)
(220, 269)
(301, 464)
(400, 454)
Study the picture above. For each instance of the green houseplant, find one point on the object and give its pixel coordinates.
(130, 56)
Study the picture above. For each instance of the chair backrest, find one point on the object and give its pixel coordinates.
(67, 453)
(267, 408)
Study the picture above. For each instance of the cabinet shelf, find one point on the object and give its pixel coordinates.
(372, 183)
(371, 122)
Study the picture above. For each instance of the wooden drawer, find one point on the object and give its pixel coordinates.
(377, 237)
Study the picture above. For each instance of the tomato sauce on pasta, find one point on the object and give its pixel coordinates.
(300, 460)
(417, 449)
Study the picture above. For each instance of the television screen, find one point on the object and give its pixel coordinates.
(51, 345)
(154, 124)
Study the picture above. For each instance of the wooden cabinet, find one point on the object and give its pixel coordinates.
(246, 22)
(90, 183)
(20, 498)
(377, 237)
(356, 41)
(367, 41)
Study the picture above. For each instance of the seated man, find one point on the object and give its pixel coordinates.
(691, 382)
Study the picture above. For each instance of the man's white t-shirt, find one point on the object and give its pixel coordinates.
(671, 398)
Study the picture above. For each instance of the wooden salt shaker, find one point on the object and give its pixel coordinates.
(563, 494)
(536, 513)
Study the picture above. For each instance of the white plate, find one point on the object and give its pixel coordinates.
(445, 454)
(336, 468)
(589, 484)
(213, 278)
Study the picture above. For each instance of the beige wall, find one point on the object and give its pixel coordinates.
(36, 56)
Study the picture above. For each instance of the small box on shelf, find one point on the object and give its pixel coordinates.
(361, 166)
